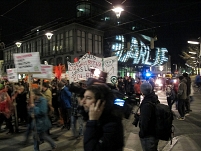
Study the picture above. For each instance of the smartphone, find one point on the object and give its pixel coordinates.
(119, 102)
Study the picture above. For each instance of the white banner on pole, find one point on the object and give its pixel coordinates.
(27, 62)
(46, 72)
(12, 75)
(110, 65)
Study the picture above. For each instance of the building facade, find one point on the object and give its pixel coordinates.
(95, 32)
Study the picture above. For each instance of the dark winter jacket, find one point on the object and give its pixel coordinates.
(182, 90)
(105, 134)
(65, 98)
(147, 116)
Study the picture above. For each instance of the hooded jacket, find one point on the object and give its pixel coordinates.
(147, 115)
(182, 89)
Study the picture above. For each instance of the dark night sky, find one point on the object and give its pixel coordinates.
(175, 21)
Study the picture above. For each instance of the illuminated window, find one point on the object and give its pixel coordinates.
(90, 45)
(81, 41)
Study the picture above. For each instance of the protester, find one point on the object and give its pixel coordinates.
(182, 90)
(187, 101)
(104, 129)
(6, 109)
(147, 135)
(121, 85)
(198, 80)
(55, 102)
(40, 122)
(21, 101)
(137, 89)
(65, 104)
(170, 94)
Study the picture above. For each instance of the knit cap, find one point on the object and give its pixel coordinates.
(146, 88)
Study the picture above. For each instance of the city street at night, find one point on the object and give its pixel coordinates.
(187, 134)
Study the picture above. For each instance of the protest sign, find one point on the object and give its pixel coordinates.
(46, 72)
(12, 75)
(110, 65)
(81, 69)
(27, 62)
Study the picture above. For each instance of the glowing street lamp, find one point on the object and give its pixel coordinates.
(49, 35)
(192, 52)
(193, 42)
(118, 11)
(18, 44)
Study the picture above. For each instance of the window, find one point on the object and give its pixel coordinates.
(71, 40)
(5, 56)
(39, 46)
(98, 44)
(67, 42)
(61, 42)
(81, 41)
(90, 44)
(45, 46)
(53, 45)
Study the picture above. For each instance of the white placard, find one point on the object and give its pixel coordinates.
(12, 75)
(46, 72)
(110, 65)
(81, 69)
(27, 62)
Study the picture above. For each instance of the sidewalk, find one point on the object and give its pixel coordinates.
(187, 132)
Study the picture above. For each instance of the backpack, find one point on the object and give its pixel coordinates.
(164, 118)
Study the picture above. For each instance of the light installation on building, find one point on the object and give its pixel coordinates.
(139, 52)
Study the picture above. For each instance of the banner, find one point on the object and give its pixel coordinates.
(81, 69)
(110, 65)
(46, 72)
(12, 75)
(27, 62)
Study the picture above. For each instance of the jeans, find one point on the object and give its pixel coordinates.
(80, 121)
(181, 108)
(149, 143)
(74, 125)
(43, 136)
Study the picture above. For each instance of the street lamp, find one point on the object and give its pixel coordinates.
(18, 44)
(118, 11)
(49, 35)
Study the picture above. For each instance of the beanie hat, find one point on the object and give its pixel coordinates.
(146, 88)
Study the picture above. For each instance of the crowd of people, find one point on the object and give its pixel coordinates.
(89, 103)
